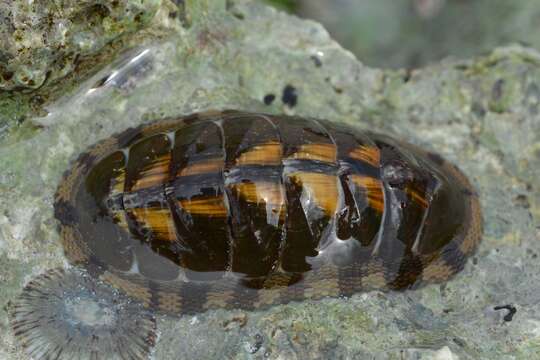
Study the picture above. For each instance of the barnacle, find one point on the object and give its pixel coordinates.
(67, 314)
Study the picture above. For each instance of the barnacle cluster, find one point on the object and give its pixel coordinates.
(70, 315)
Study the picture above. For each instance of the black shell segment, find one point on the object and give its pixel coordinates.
(261, 202)
(196, 194)
(254, 194)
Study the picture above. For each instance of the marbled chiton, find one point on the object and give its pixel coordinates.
(234, 209)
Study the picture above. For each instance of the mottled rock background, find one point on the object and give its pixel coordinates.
(413, 33)
(480, 113)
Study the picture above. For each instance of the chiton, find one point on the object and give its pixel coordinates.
(234, 209)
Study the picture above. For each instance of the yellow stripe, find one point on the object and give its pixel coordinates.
(261, 192)
(158, 220)
(209, 207)
(319, 152)
(322, 188)
(373, 190)
(265, 154)
(368, 154)
(155, 173)
(417, 197)
(202, 167)
(117, 186)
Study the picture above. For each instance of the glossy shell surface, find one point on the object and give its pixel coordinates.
(233, 209)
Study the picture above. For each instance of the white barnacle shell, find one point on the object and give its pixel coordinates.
(67, 314)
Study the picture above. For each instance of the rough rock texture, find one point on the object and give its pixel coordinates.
(42, 39)
(48, 47)
(482, 114)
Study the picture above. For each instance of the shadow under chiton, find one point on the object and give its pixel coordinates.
(67, 314)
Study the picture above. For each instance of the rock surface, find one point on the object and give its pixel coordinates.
(48, 47)
(413, 33)
(481, 114)
(43, 39)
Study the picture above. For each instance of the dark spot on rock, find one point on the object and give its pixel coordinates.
(316, 60)
(337, 90)
(269, 99)
(20, 120)
(478, 109)
(511, 311)
(239, 15)
(256, 345)
(522, 201)
(289, 97)
(531, 253)
(100, 82)
(7, 76)
(497, 90)
(436, 158)
(459, 342)
(65, 212)
(475, 260)
(230, 6)
(407, 75)
(181, 13)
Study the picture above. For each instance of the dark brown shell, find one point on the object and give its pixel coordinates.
(226, 209)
